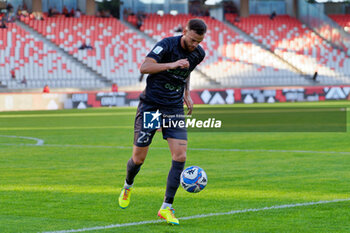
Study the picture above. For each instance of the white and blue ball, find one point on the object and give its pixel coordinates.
(193, 179)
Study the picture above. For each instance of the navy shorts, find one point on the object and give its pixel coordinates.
(150, 118)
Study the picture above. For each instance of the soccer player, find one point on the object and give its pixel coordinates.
(169, 65)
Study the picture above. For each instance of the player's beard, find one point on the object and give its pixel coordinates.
(188, 48)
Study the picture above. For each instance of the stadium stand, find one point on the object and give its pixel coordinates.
(230, 58)
(117, 51)
(294, 42)
(35, 63)
(342, 20)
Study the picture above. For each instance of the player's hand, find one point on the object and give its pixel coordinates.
(189, 103)
(182, 63)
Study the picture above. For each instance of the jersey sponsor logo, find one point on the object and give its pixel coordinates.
(180, 72)
(157, 49)
(171, 87)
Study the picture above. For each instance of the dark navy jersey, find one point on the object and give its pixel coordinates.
(166, 88)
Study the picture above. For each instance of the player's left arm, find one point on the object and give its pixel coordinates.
(187, 96)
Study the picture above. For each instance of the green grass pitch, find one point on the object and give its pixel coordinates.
(73, 180)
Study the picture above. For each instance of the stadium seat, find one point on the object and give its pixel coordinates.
(30, 58)
(342, 20)
(290, 39)
(117, 50)
(243, 63)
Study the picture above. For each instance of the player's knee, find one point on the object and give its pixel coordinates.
(138, 158)
(138, 161)
(139, 154)
(180, 156)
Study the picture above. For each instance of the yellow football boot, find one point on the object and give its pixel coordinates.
(124, 198)
(169, 215)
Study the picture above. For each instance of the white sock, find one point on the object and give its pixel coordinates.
(165, 205)
(127, 186)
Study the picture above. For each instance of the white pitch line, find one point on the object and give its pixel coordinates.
(202, 216)
(190, 149)
(39, 142)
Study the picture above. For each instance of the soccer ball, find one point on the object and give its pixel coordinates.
(193, 179)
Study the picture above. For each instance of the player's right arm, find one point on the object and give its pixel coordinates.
(150, 65)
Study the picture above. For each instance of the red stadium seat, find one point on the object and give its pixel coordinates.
(290, 39)
(109, 38)
(225, 50)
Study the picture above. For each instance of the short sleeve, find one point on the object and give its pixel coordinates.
(159, 50)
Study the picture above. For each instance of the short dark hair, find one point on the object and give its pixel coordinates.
(197, 25)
